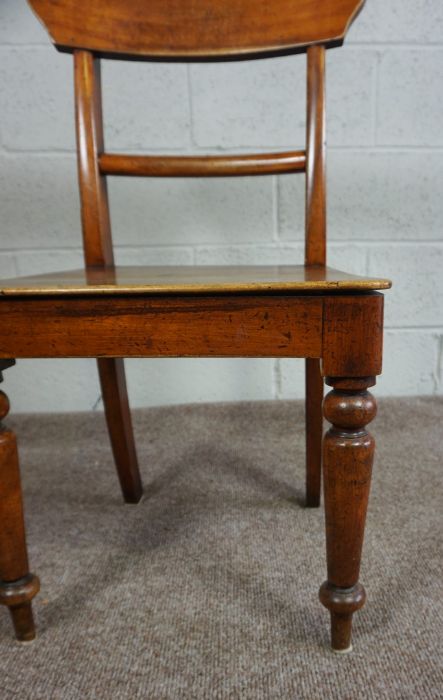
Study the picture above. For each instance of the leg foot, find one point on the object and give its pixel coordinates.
(342, 603)
(17, 596)
(23, 621)
(347, 463)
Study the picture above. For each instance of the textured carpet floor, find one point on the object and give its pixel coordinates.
(208, 588)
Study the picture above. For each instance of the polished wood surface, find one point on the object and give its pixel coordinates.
(315, 235)
(188, 29)
(190, 279)
(111, 372)
(313, 430)
(352, 331)
(333, 319)
(348, 451)
(159, 326)
(13, 558)
(202, 166)
(17, 585)
(315, 254)
(344, 330)
(96, 224)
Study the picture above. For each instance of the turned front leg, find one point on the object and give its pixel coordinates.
(17, 585)
(348, 451)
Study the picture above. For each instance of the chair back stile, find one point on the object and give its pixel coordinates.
(315, 211)
(96, 224)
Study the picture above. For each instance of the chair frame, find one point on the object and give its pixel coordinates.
(339, 333)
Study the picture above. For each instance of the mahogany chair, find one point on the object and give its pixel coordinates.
(330, 318)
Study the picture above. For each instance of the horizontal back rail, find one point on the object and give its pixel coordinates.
(195, 29)
(202, 166)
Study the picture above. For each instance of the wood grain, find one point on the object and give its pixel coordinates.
(218, 326)
(118, 418)
(190, 280)
(202, 166)
(17, 585)
(315, 254)
(314, 431)
(315, 223)
(353, 336)
(110, 312)
(96, 224)
(348, 451)
(188, 29)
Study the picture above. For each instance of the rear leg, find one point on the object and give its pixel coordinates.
(17, 585)
(118, 417)
(314, 431)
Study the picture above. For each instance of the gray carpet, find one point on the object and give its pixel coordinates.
(208, 588)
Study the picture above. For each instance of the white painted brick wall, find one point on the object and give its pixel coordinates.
(385, 102)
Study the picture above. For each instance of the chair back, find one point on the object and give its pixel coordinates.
(193, 30)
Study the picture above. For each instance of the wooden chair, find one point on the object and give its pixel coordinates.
(332, 319)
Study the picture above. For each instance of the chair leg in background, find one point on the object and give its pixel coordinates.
(118, 418)
(314, 431)
(17, 585)
(347, 465)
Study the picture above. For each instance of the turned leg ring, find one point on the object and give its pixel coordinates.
(342, 603)
(17, 596)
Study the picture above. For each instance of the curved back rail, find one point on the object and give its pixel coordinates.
(193, 29)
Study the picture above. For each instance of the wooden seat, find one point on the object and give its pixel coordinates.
(332, 319)
(191, 280)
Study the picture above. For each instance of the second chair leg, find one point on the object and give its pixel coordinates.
(17, 585)
(118, 417)
(314, 431)
(347, 466)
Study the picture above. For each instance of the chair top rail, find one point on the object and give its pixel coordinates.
(195, 29)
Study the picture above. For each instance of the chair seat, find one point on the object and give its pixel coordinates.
(149, 280)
